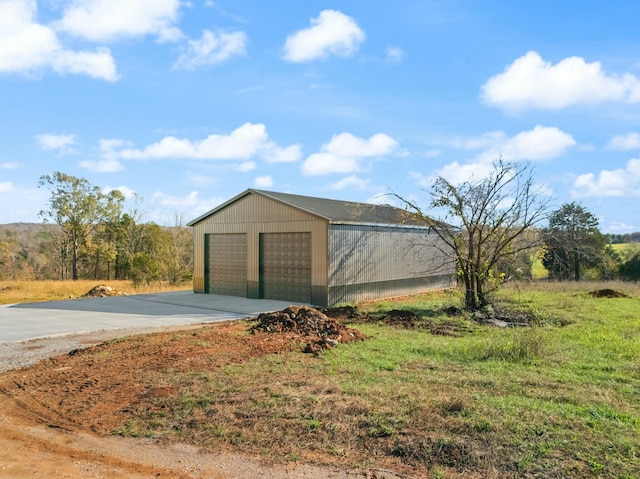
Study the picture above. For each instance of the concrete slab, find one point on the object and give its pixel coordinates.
(21, 322)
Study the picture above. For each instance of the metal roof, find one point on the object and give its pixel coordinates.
(333, 211)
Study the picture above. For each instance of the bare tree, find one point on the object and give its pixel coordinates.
(484, 223)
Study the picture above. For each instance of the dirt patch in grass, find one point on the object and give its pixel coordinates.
(405, 319)
(182, 387)
(607, 293)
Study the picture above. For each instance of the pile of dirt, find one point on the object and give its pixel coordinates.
(607, 293)
(319, 330)
(102, 291)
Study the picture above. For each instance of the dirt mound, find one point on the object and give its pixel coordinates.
(320, 331)
(607, 293)
(101, 291)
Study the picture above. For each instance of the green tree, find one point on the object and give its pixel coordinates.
(630, 267)
(573, 242)
(178, 251)
(78, 207)
(485, 224)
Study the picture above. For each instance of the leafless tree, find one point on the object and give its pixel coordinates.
(484, 222)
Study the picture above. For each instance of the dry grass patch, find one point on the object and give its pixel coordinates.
(12, 292)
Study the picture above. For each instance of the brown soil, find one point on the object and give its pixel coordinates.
(57, 418)
(607, 293)
(400, 318)
(321, 331)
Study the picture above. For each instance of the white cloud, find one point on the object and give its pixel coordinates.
(345, 152)
(621, 182)
(102, 166)
(457, 173)
(247, 166)
(242, 143)
(165, 204)
(127, 192)
(350, 182)
(263, 182)
(98, 64)
(332, 32)
(105, 20)
(395, 54)
(630, 141)
(51, 141)
(290, 154)
(432, 153)
(10, 165)
(108, 156)
(211, 48)
(6, 187)
(619, 227)
(540, 143)
(532, 83)
(26, 46)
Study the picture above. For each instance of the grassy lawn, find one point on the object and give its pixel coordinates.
(543, 401)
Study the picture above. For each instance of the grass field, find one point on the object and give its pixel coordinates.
(558, 399)
(543, 401)
(33, 291)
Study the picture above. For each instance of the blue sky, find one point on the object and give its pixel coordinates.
(188, 103)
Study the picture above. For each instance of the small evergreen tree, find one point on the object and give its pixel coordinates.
(573, 242)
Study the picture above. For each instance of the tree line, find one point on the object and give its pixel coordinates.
(87, 234)
(494, 228)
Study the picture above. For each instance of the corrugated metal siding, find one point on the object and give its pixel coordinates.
(254, 214)
(366, 262)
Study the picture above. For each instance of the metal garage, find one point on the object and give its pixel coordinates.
(263, 244)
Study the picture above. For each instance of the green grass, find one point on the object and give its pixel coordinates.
(544, 401)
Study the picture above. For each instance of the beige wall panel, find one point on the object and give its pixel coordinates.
(252, 208)
(253, 215)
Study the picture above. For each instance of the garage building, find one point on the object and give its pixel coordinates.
(263, 244)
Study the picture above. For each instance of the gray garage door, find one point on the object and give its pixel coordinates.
(285, 266)
(227, 261)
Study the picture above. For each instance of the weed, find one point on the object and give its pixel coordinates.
(134, 429)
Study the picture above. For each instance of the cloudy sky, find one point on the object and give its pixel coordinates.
(188, 103)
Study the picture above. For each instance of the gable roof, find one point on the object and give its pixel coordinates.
(333, 211)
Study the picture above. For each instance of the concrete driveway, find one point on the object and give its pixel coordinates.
(21, 322)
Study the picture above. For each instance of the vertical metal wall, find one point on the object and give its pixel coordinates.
(369, 262)
(254, 214)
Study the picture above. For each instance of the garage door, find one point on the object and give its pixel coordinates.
(227, 261)
(285, 266)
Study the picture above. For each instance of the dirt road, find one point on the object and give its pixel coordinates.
(56, 417)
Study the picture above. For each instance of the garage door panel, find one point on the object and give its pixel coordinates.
(285, 266)
(228, 264)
